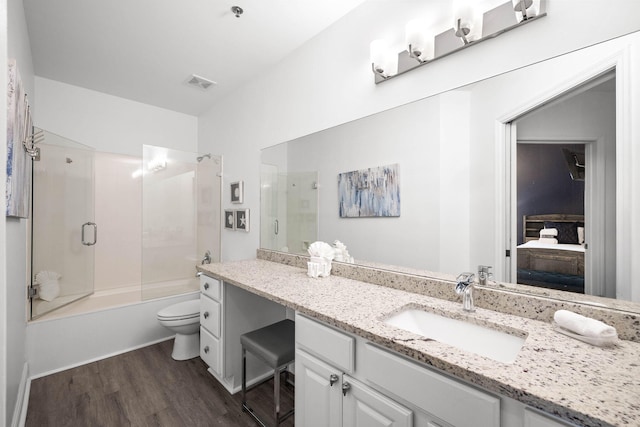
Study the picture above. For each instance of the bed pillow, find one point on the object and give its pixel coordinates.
(567, 231)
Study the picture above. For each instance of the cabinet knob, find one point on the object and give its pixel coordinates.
(206, 286)
(206, 349)
(206, 314)
(345, 388)
(333, 378)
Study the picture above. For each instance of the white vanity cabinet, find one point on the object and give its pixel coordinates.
(211, 322)
(326, 395)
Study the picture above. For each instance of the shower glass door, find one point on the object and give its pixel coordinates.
(63, 229)
(180, 218)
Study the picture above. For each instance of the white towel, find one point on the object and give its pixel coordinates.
(49, 286)
(584, 326)
(549, 232)
(548, 240)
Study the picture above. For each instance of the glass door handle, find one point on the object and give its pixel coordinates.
(95, 233)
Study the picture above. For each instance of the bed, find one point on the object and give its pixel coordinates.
(555, 266)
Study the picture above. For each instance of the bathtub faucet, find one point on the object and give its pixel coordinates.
(207, 258)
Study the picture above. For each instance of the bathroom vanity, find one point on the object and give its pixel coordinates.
(393, 374)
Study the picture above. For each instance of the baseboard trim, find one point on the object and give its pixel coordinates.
(106, 356)
(22, 400)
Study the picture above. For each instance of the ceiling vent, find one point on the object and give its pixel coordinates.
(200, 82)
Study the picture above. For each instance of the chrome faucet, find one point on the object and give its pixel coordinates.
(465, 288)
(484, 273)
(207, 258)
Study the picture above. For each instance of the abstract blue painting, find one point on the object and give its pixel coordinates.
(369, 192)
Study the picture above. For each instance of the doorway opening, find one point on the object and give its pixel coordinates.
(563, 178)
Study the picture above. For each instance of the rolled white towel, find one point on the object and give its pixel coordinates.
(584, 326)
(549, 232)
(49, 286)
(548, 240)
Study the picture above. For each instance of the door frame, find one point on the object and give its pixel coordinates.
(505, 133)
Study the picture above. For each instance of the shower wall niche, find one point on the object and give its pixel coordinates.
(109, 224)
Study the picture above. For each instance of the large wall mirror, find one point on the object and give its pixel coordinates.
(530, 172)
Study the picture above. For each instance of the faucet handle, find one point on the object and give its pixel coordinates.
(484, 271)
(465, 278)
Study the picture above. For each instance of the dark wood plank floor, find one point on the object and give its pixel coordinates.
(145, 387)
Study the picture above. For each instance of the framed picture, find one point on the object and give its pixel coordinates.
(229, 220)
(237, 192)
(369, 192)
(19, 131)
(242, 220)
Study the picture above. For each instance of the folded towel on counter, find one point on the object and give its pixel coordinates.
(585, 328)
(549, 232)
(548, 240)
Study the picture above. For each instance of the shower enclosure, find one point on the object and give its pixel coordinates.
(288, 209)
(104, 222)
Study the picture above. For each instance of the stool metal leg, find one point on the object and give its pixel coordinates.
(244, 376)
(276, 395)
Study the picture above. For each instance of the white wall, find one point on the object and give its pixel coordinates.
(109, 123)
(328, 81)
(13, 284)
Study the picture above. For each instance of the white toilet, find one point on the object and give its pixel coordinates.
(183, 318)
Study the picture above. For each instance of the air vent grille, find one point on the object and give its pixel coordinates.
(200, 82)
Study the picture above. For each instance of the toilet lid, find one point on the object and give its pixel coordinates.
(181, 310)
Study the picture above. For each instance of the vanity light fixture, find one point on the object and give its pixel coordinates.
(525, 9)
(419, 43)
(384, 62)
(470, 25)
(467, 22)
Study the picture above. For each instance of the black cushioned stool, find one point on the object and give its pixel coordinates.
(275, 345)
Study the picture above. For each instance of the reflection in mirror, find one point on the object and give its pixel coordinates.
(555, 249)
(457, 155)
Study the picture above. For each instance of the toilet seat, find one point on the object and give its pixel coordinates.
(181, 311)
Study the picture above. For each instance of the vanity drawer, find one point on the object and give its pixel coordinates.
(332, 346)
(210, 287)
(210, 315)
(210, 350)
(451, 401)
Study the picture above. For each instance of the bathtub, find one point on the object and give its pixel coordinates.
(110, 298)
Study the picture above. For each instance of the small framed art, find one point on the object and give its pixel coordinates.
(237, 192)
(229, 220)
(242, 220)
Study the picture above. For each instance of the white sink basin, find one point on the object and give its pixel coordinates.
(487, 342)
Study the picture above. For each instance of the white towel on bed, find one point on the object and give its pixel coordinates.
(584, 326)
(549, 232)
(548, 240)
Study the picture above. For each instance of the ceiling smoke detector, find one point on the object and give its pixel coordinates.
(200, 82)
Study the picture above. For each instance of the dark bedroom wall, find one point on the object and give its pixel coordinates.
(544, 184)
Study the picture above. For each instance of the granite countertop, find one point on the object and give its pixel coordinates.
(575, 381)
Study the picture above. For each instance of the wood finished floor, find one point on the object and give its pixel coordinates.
(145, 387)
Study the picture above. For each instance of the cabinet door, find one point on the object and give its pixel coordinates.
(318, 392)
(365, 407)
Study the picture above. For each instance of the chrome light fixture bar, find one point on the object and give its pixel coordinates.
(469, 28)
